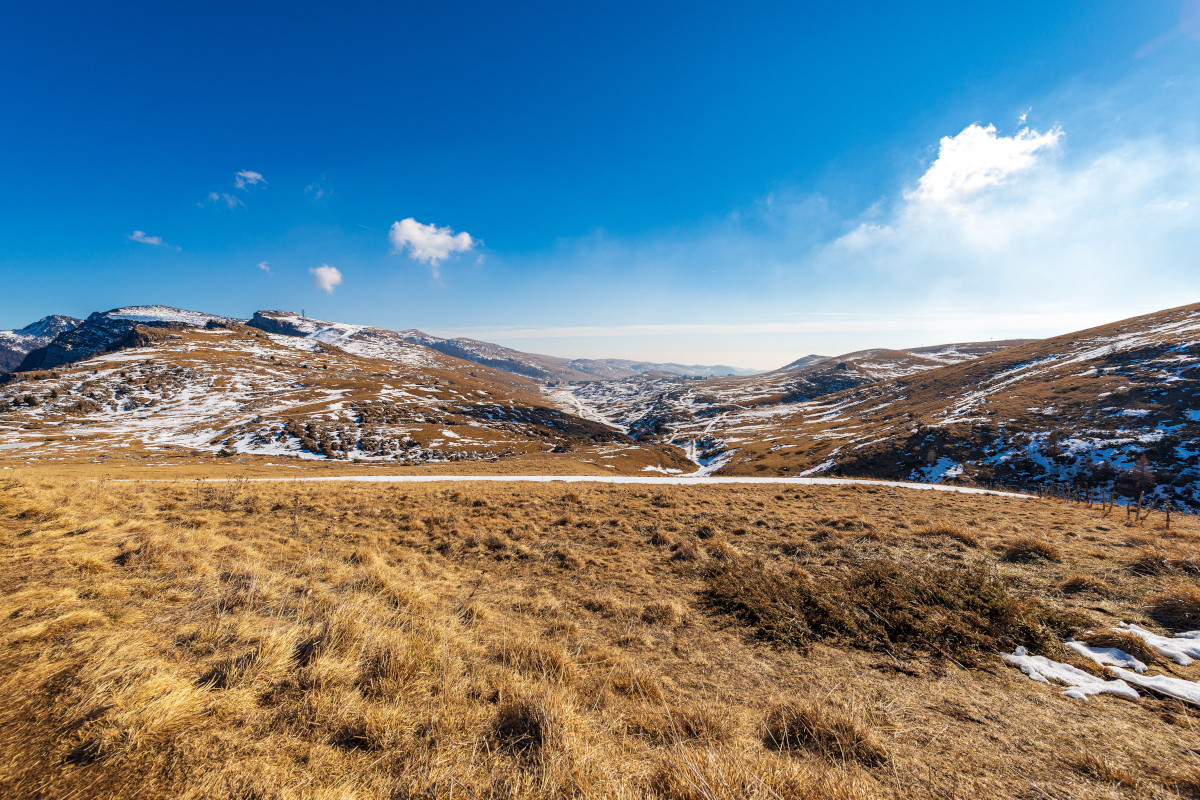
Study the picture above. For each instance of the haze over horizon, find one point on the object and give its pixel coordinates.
(676, 183)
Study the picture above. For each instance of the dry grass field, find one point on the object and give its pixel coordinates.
(334, 640)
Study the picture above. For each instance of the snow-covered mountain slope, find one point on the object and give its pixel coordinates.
(227, 386)
(1080, 408)
(361, 338)
(652, 407)
(104, 330)
(556, 369)
(15, 345)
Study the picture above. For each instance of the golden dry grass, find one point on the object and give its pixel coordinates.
(550, 641)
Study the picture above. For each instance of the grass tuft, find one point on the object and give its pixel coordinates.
(833, 733)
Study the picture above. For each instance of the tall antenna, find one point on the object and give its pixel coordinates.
(302, 314)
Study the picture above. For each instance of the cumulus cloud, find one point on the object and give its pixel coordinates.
(265, 266)
(977, 158)
(144, 238)
(996, 220)
(326, 277)
(246, 178)
(428, 244)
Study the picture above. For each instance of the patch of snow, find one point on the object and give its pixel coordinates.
(1182, 649)
(1081, 684)
(1106, 656)
(1188, 691)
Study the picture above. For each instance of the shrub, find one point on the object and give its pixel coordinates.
(957, 610)
(1079, 584)
(831, 732)
(1177, 608)
(1028, 548)
(1123, 640)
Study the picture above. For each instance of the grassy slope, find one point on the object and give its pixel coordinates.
(274, 640)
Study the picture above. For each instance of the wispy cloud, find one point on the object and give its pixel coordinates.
(242, 180)
(314, 191)
(230, 201)
(246, 178)
(265, 266)
(145, 238)
(326, 278)
(428, 243)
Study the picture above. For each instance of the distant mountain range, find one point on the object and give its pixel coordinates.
(1116, 406)
(36, 347)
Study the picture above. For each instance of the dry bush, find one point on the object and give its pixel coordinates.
(268, 661)
(1101, 769)
(609, 605)
(690, 773)
(958, 610)
(685, 551)
(721, 550)
(1081, 584)
(565, 558)
(394, 664)
(658, 538)
(949, 530)
(1128, 642)
(683, 722)
(665, 612)
(1177, 607)
(535, 658)
(836, 734)
(532, 722)
(1026, 549)
(1151, 562)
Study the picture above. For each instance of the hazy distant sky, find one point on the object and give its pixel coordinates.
(737, 183)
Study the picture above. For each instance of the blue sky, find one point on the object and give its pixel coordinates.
(673, 181)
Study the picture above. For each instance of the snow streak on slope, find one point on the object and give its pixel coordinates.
(1082, 408)
(245, 391)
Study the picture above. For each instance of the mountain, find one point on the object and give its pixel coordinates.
(652, 408)
(104, 330)
(556, 369)
(160, 384)
(15, 345)
(1083, 408)
(532, 365)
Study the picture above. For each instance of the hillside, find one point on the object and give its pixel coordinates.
(176, 388)
(105, 330)
(1078, 408)
(17, 344)
(225, 641)
(556, 369)
(656, 408)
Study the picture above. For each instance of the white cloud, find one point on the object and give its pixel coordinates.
(265, 266)
(977, 158)
(246, 178)
(231, 201)
(428, 243)
(326, 277)
(144, 238)
(993, 222)
(314, 191)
